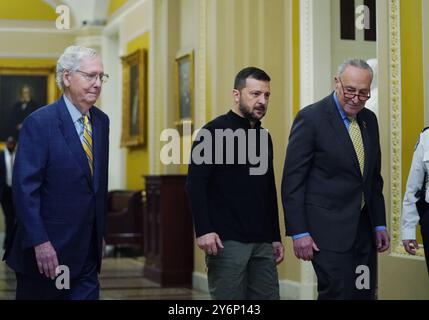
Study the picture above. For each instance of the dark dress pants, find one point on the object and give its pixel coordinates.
(341, 275)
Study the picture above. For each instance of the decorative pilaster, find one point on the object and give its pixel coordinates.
(396, 128)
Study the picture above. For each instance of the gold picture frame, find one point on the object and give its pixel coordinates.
(41, 87)
(184, 87)
(134, 99)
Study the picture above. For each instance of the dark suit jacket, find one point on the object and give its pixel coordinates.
(55, 197)
(2, 173)
(322, 184)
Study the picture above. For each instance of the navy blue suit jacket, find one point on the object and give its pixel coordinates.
(55, 197)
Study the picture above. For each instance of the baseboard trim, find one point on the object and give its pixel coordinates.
(289, 290)
(199, 281)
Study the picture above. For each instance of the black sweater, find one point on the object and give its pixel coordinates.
(226, 198)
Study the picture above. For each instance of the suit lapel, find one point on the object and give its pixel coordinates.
(342, 133)
(71, 137)
(96, 137)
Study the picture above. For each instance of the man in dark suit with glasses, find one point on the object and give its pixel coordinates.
(332, 188)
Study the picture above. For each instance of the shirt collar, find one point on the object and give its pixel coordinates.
(74, 112)
(339, 107)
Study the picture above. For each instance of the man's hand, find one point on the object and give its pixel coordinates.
(46, 258)
(410, 246)
(210, 243)
(303, 248)
(382, 240)
(278, 251)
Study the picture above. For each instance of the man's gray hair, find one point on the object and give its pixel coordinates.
(358, 63)
(70, 60)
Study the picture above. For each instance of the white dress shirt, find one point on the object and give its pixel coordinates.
(419, 165)
(9, 158)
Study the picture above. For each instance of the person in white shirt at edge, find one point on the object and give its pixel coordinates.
(410, 215)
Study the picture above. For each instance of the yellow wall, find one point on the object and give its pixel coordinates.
(115, 5)
(26, 10)
(412, 82)
(137, 158)
(14, 62)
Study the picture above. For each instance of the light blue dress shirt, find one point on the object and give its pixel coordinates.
(76, 115)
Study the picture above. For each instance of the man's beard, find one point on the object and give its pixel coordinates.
(244, 109)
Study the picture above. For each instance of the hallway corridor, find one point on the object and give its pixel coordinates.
(121, 279)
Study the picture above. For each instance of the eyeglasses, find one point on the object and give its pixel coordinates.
(92, 77)
(349, 95)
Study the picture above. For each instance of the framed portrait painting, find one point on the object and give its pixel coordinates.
(22, 91)
(184, 87)
(134, 99)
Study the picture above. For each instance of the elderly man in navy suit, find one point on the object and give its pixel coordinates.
(60, 187)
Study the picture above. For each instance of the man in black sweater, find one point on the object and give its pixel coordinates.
(233, 199)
